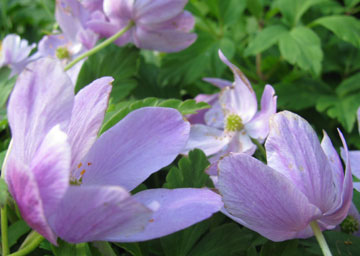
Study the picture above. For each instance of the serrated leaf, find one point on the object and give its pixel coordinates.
(190, 172)
(231, 10)
(185, 107)
(226, 239)
(342, 108)
(120, 63)
(265, 39)
(345, 27)
(302, 46)
(349, 85)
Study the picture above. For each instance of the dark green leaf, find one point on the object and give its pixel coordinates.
(17, 230)
(230, 11)
(120, 63)
(224, 240)
(190, 172)
(302, 46)
(185, 107)
(265, 39)
(66, 249)
(3, 192)
(345, 27)
(6, 85)
(132, 248)
(101, 248)
(255, 7)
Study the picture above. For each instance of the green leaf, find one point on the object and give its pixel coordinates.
(345, 27)
(351, 3)
(101, 248)
(4, 194)
(342, 108)
(295, 9)
(255, 7)
(302, 46)
(231, 10)
(265, 39)
(120, 63)
(17, 230)
(226, 239)
(349, 85)
(185, 107)
(286, 248)
(6, 84)
(133, 248)
(190, 172)
(66, 249)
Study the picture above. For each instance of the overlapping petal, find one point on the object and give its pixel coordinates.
(143, 142)
(263, 199)
(173, 210)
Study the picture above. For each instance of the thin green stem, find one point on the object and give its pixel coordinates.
(32, 246)
(100, 46)
(260, 147)
(4, 220)
(320, 238)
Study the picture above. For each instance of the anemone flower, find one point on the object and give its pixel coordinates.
(233, 118)
(303, 183)
(14, 52)
(158, 25)
(69, 183)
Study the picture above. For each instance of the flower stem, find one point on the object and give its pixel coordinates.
(320, 238)
(100, 46)
(32, 246)
(260, 147)
(4, 221)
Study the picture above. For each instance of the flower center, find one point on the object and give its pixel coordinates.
(233, 123)
(76, 177)
(62, 53)
(350, 225)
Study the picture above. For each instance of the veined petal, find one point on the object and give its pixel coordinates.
(198, 118)
(258, 127)
(142, 143)
(94, 213)
(162, 40)
(184, 22)
(340, 212)
(214, 117)
(293, 149)
(87, 116)
(263, 199)
(240, 98)
(41, 99)
(119, 9)
(51, 169)
(208, 139)
(25, 191)
(146, 11)
(173, 210)
(354, 156)
(220, 83)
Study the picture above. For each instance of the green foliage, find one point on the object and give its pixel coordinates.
(120, 63)
(65, 249)
(3, 192)
(6, 85)
(345, 27)
(190, 172)
(185, 107)
(17, 230)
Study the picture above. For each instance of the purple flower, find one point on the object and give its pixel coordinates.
(161, 25)
(69, 183)
(75, 39)
(302, 182)
(233, 119)
(14, 52)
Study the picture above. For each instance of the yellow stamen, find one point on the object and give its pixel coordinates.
(79, 165)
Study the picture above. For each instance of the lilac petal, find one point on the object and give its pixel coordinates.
(356, 186)
(198, 118)
(263, 199)
(220, 83)
(99, 24)
(93, 213)
(340, 212)
(214, 117)
(208, 139)
(293, 149)
(93, 5)
(163, 40)
(184, 22)
(24, 189)
(49, 44)
(41, 99)
(14, 50)
(258, 127)
(71, 16)
(87, 116)
(51, 169)
(241, 143)
(334, 160)
(174, 210)
(119, 9)
(146, 11)
(354, 156)
(143, 142)
(240, 98)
